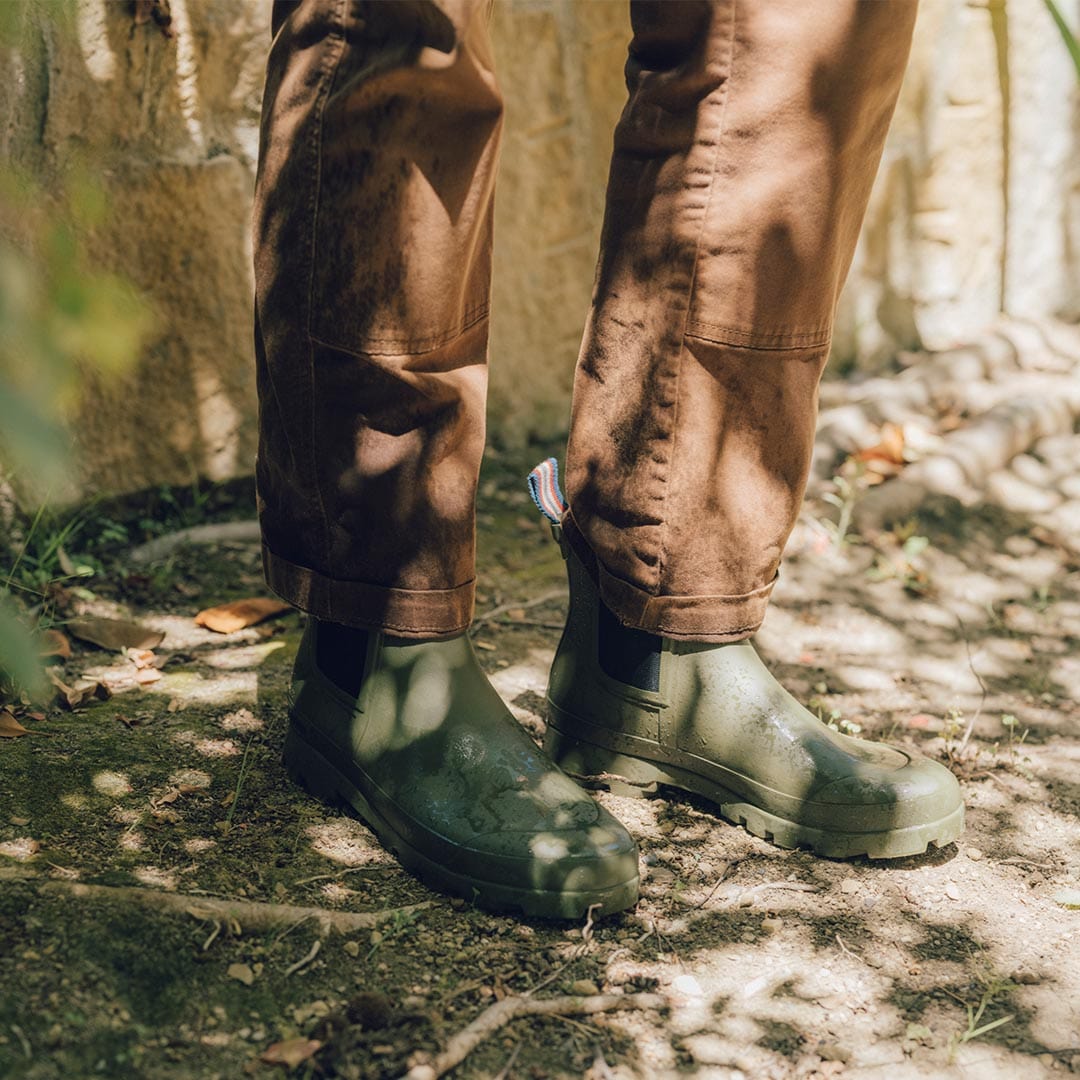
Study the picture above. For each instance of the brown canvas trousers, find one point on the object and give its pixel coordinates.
(741, 170)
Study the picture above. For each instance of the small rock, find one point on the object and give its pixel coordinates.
(771, 925)
(832, 1052)
(241, 973)
(973, 853)
(584, 988)
(352, 948)
(376, 937)
(666, 828)
(661, 875)
(849, 885)
(1046, 1060)
(951, 891)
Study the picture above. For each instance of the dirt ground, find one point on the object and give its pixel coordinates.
(960, 621)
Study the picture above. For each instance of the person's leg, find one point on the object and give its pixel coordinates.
(742, 166)
(372, 256)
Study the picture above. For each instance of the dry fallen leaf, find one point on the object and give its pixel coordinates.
(239, 614)
(84, 691)
(147, 675)
(290, 1053)
(115, 634)
(53, 643)
(142, 658)
(10, 728)
(889, 450)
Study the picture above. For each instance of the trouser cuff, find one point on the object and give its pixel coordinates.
(716, 619)
(408, 613)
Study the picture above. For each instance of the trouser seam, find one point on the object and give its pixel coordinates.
(726, 93)
(328, 76)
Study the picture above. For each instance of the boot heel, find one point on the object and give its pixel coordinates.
(598, 766)
(308, 768)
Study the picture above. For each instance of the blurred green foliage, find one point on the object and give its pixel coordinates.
(63, 320)
(1070, 39)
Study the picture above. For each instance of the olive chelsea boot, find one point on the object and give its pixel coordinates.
(630, 710)
(415, 739)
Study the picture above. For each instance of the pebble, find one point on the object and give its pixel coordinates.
(771, 925)
(973, 853)
(352, 948)
(832, 1052)
(584, 987)
(951, 891)
(241, 973)
(849, 885)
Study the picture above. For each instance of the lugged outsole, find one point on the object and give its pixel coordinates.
(310, 769)
(637, 777)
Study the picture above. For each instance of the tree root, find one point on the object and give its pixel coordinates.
(510, 1008)
(248, 914)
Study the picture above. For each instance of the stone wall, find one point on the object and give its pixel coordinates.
(976, 211)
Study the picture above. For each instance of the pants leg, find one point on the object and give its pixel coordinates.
(372, 231)
(741, 170)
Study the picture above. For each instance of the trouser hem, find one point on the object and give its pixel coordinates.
(409, 613)
(717, 619)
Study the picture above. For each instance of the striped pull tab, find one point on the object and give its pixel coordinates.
(545, 492)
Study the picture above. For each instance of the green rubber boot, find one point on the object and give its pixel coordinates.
(631, 711)
(425, 751)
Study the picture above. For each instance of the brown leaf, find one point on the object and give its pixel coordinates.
(290, 1053)
(890, 449)
(53, 643)
(145, 676)
(85, 690)
(115, 634)
(10, 728)
(239, 614)
(143, 658)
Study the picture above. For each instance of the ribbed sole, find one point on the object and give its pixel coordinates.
(637, 777)
(316, 773)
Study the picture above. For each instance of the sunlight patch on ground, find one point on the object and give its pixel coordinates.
(20, 849)
(243, 721)
(346, 841)
(132, 841)
(215, 748)
(74, 800)
(527, 676)
(228, 689)
(190, 778)
(198, 844)
(239, 657)
(155, 876)
(115, 785)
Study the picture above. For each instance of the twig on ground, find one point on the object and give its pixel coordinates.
(794, 886)
(250, 914)
(725, 872)
(1017, 860)
(577, 954)
(982, 687)
(23, 1041)
(292, 969)
(544, 598)
(532, 624)
(848, 952)
(349, 870)
(213, 935)
(499, 1014)
(504, 1072)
